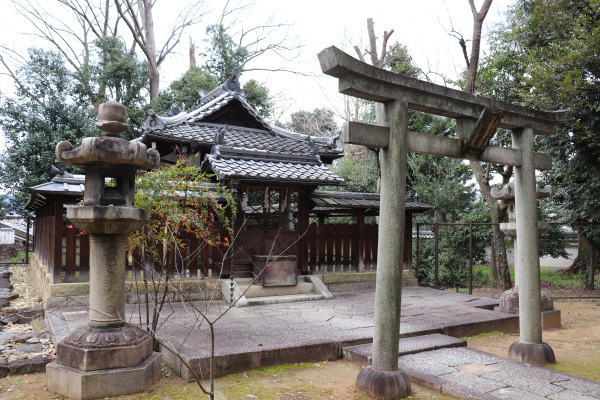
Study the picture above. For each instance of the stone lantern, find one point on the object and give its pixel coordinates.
(509, 300)
(108, 357)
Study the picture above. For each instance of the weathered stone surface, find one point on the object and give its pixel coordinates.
(587, 387)
(91, 350)
(570, 395)
(3, 368)
(29, 348)
(20, 315)
(384, 384)
(529, 384)
(532, 353)
(108, 220)
(28, 366)
(304, 331)
(362, 353)
(81, 385)
(511, 393)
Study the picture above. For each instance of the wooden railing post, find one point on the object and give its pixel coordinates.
(56, 250)
(360, 220)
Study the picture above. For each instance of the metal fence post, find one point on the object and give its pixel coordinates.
(470, 258)
(436, 229)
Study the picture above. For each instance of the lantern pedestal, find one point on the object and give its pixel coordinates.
(108, 357)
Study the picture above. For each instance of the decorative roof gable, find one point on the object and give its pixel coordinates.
(222, 125)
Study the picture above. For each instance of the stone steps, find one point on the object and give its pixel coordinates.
(252, 291)
(361, 354)
(257, 301)
(246, 293)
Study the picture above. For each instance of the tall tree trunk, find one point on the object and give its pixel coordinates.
(498, 246)
(592, 265)
(578, 262)
(148, 26)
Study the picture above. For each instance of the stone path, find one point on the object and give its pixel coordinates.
(472, 374)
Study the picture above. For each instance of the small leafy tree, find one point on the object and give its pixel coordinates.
(179, 202)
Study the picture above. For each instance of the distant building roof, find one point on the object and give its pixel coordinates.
(236, 142)
(334, 201)
(63, 183)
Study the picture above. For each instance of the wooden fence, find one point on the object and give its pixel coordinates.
(199, 259)
(331, 248)
(342, 247)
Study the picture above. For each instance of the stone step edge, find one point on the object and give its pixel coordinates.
(361, 354)
(265, 291)
(256, 301)
(235, 292)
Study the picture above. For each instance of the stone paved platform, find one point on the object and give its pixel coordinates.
(250, 337)
(271, 334)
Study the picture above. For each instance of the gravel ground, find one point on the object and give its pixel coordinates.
(18, 339)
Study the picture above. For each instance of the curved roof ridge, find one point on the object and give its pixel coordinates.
(328, 141)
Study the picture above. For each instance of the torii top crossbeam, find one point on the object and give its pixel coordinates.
(477, 116)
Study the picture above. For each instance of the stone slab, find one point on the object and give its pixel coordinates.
(472, 374)
(361, 354)
(82, 385)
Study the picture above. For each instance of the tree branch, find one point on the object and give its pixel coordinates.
(18, 82)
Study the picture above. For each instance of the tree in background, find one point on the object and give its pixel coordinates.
(45, 110)
(554, 49)
(51, 105)
(140, 21)
(318, 122)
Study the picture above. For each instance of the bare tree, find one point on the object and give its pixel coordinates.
(70, 26)
(140, 21)
(497, 210)
(235, 41)
(377, 60)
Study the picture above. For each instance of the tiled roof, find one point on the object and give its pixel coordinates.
(234, 136)
(327, 200)
(63, 184)
(254, 166)
(187, 127)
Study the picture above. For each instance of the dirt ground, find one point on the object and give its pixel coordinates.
(576, 345)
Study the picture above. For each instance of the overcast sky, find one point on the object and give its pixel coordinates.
(419, 24)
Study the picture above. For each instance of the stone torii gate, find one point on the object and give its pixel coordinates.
(477, 119)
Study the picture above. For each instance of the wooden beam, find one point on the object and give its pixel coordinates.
(365, 81)
(425, 143)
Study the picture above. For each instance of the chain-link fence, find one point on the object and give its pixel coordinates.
(459, 256)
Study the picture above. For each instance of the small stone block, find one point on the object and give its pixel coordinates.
(478, 369)
(3, 368)
(551, 319)
(28, 366)
(82, 385)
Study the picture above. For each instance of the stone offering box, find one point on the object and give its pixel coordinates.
(276, 270)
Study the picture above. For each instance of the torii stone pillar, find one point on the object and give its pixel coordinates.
(509, 300)
(529, 348)
(108, 357)
(397, 92)
(383, 378)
